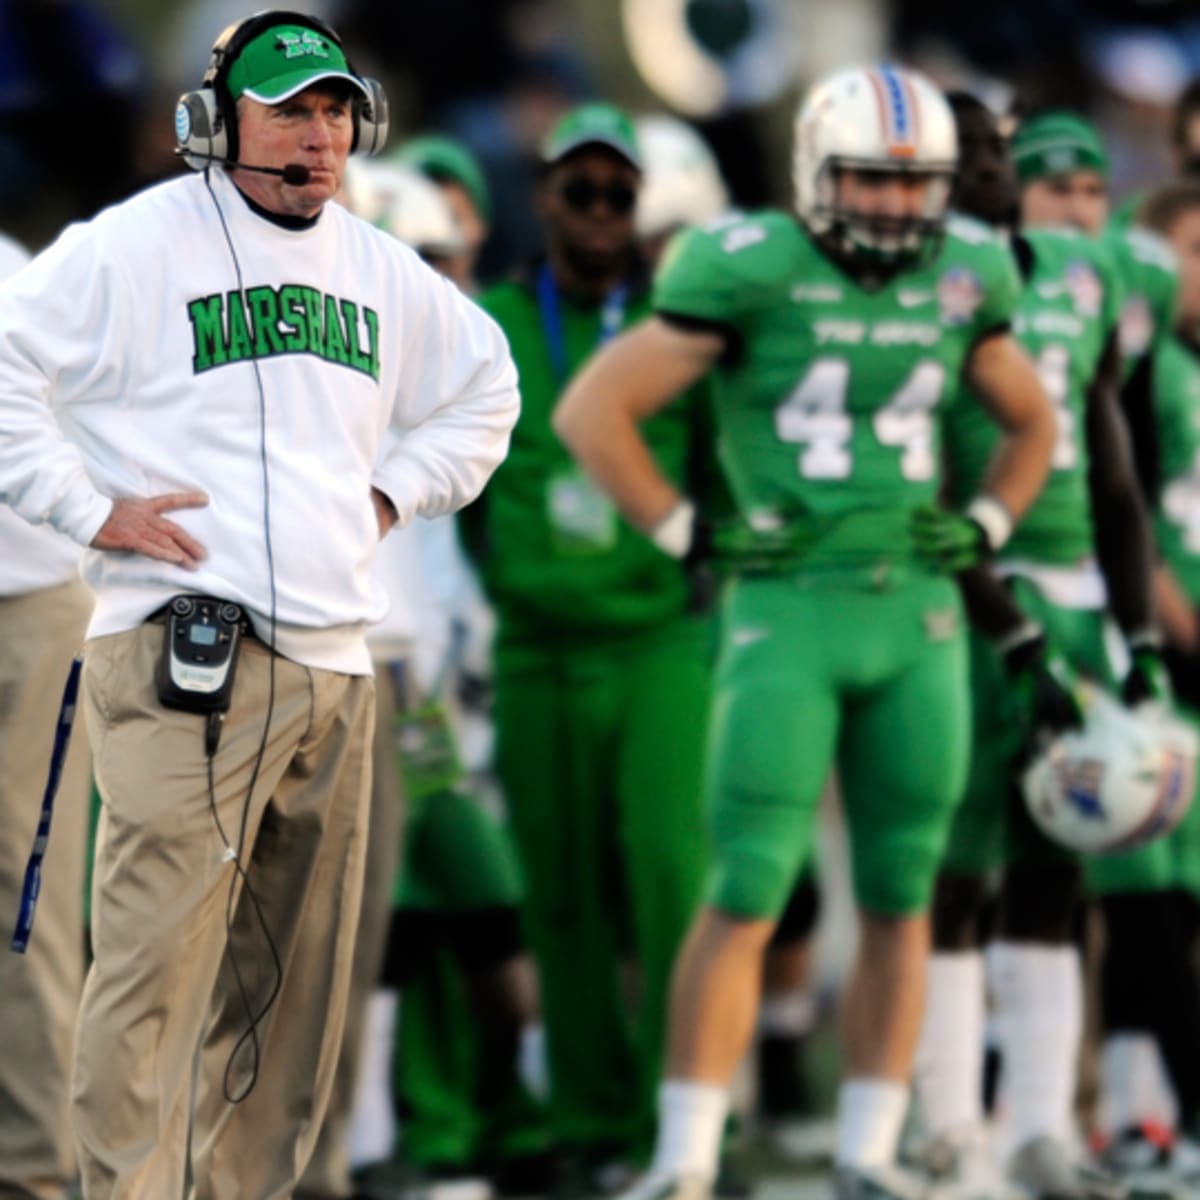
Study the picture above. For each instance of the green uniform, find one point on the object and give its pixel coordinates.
(458, 861)
(828, 409)
(462, 1102)
(1172, 861)
(1149, 274)
(1068, 308)
(602, 691)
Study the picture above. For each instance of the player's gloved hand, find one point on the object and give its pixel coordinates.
(1147, 680)
(1183, 669)
(1045, 680)
(945, 540)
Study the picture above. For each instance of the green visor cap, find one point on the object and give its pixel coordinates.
(1057, 143)
(285, 60)
(593, 125)
(444, 158)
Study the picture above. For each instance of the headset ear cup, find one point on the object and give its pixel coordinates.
(371, 125)
(200, 128)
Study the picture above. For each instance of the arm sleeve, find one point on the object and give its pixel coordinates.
(456, 407)
(1124, 544)
(991, 607)
(1000, 287)
(63, 321)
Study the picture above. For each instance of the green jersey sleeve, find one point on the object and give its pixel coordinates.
(721, 273)
(985, 284)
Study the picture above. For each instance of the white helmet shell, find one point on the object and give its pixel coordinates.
(880, 118)
(404, 203)
(1124, 779)
(682, 184)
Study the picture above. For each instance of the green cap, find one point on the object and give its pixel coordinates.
(284, 60)
(593, 125)
(1057, 143)
(440, 157)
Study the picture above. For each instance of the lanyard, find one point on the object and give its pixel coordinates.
(33, 869)
(612, 317)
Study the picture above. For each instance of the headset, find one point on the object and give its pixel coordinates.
(206, 127)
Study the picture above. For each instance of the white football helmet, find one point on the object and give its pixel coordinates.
(682, 184)
(405, 204)
(879, 119)
(1125, 778)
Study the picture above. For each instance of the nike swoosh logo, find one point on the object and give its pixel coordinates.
(913, 299)
(747, 636)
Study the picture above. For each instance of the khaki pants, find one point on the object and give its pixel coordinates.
(328, 1173)
(39, 990)
(162, 917)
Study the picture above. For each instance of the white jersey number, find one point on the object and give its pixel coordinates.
(815, 416)
(1054, 370)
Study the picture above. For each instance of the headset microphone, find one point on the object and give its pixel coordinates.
(294, 174)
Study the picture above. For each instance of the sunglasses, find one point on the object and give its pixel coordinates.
(582, 194)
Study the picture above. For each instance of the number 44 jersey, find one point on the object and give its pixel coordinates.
(829, 398)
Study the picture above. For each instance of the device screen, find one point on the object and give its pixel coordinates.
(203, 635)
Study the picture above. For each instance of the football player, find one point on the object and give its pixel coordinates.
(1083, 549)
(834, 342)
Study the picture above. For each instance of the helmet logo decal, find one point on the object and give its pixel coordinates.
(1080, 780)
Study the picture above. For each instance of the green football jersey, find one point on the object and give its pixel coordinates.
(1149, 272)
(1067, 310)
(1177, 416)
(828, 404)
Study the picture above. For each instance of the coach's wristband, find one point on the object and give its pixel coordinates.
(673, 534)
(993, 518)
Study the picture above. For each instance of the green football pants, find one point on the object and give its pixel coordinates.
(599, 750)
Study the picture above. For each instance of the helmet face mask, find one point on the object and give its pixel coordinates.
(882, 128)
(871, 232)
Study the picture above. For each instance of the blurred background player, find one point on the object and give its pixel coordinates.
(832, 342)
(1064, 169)
(682, 185)
(459, 176)
(44, 608)
(1086, 529)
(1150, 993)
(602, 674)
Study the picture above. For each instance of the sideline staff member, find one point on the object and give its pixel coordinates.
(44, 608)
(290, 383)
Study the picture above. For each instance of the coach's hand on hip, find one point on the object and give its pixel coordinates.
(139, 526)
(385, 511)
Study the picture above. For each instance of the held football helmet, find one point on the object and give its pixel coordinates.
(875, 120)
(1122, 780)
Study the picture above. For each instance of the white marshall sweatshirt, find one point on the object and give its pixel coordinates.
(131, 356)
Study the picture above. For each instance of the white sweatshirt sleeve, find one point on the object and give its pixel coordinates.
(457, 405)
(60, 324)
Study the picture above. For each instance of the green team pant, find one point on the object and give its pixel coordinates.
(993, 826)
(459, 861)
(599, 750)
(819, 669)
